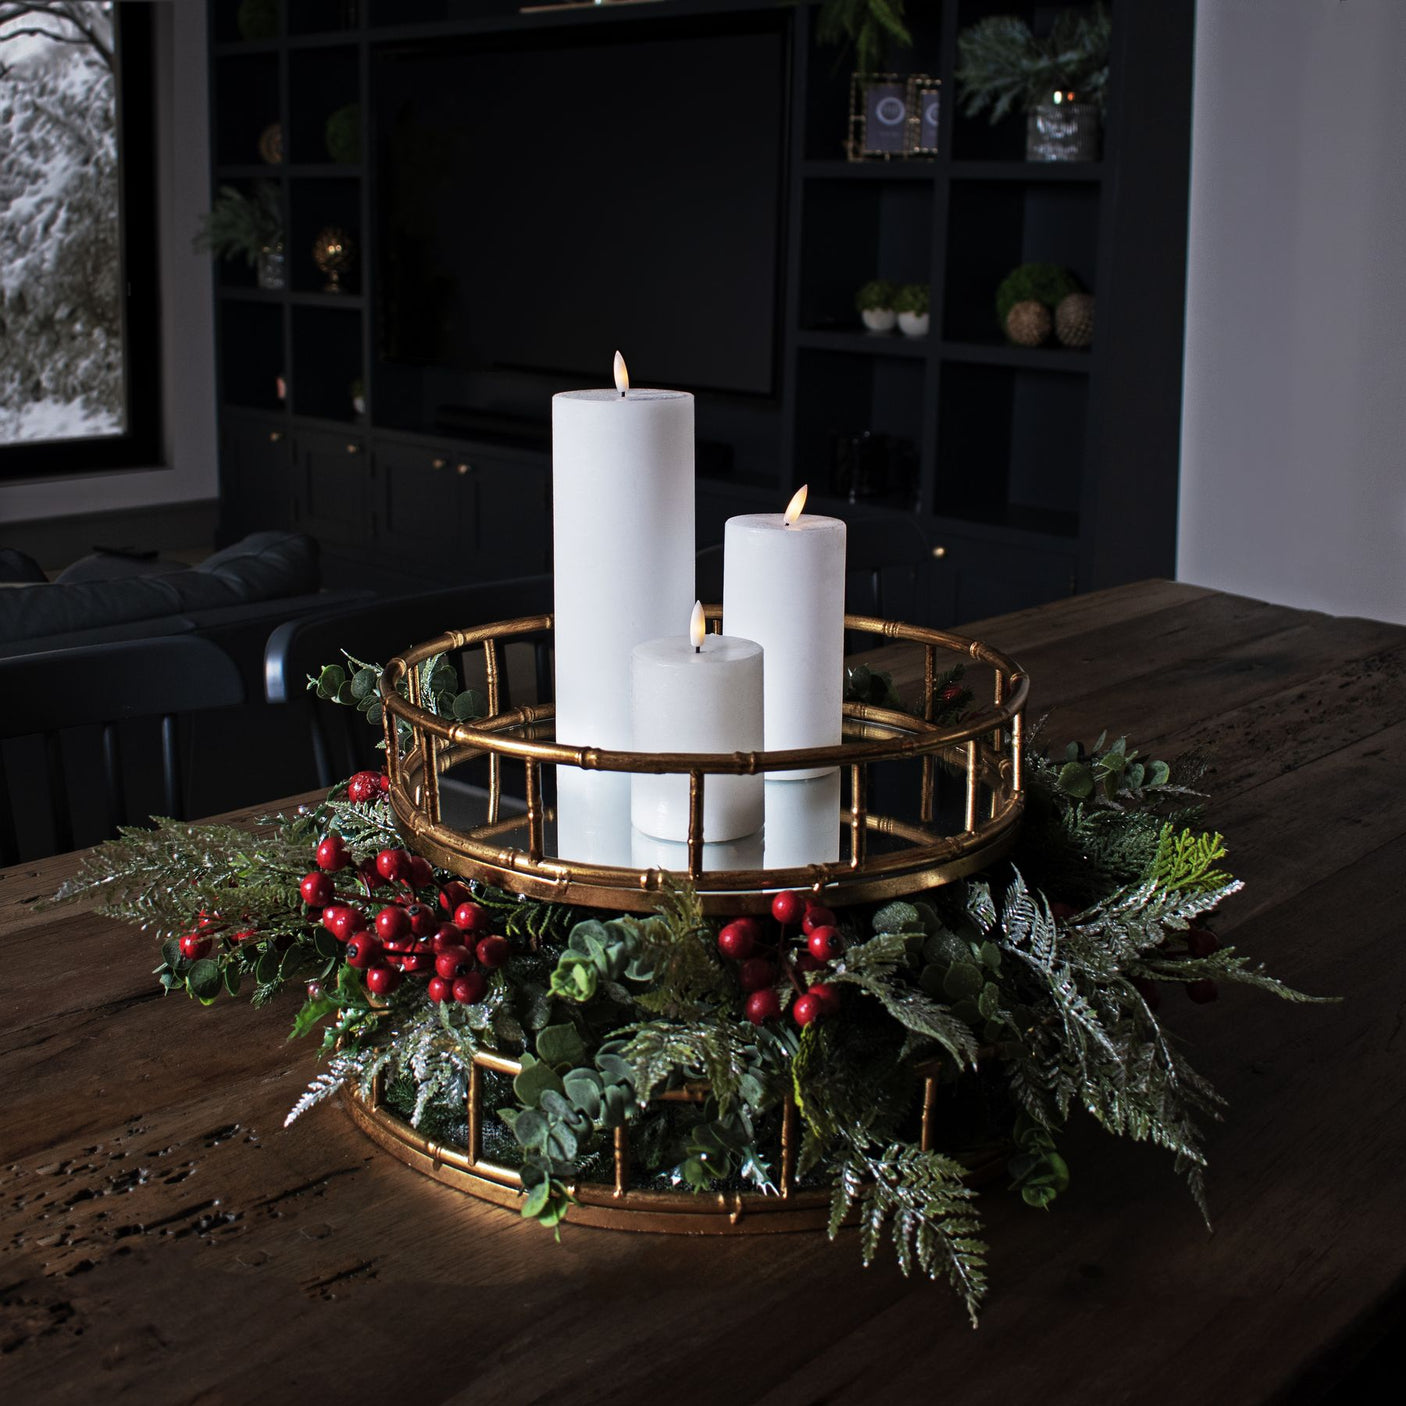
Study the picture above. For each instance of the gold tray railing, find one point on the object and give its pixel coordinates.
(985, 747)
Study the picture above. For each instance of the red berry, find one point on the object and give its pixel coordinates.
(393, 865)
(492, 952)
(738, 939)
(391, 923)
(817, 916)
(245, 935)
(446, 935)
(314, 989)
(364, 786)
(453, 961)
(420, 958)
(1149, 990)
(382, 980)
(332, 853)
(422, 919)
(1201, 942)
(788, 909)
(951, 691)
(453, 894)
(807, 1008)
(763, 1005)
(825, 944)
(469, 988)
(193, 946)
(205, 920)
(421, 872)
(1203, 991)
(755, 973)
(383, 782)
(472, 918)
(828, 996)
(317, 890)
(439, 989)
(362, 950)
(337, 918)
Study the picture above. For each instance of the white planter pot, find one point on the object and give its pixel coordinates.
(913, 324)
(879, 319)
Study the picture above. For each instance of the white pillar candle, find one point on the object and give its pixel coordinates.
(803, 822)
(623, 544)
(784, 586)
(697, 693)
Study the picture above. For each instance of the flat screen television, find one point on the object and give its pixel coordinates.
(543, 201)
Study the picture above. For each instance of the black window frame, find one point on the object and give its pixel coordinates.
(140, 445)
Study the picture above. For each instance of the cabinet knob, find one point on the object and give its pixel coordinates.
(437, 463)
(352, 448)
(275, 436)
(461, 469)
(939, 552)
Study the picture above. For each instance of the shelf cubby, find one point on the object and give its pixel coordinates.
(323, 16)
(317, 205)
(326, 361)
(321, 81)
(251, 352)
(246, 104)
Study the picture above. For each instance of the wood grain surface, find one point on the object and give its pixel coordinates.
(165, 1239)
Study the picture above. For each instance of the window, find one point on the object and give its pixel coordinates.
(79, 371)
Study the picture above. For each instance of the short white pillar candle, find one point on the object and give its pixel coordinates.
(784, 586)
(697, 693)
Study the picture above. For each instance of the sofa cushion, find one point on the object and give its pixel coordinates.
(17, 566)
(265, 566)
(101, 565)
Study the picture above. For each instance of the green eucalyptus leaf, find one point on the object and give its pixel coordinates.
(1158, 773)
(469, 704)
(560, 1045)
(898, 917)
(1077, 780)
(536, 1078)
(171, 952)
(530, 1129)
(989, 1002)
(364, 682)
(536, 1200)
(204, 981)
(963, 979)
(231, 978)
(332, 677)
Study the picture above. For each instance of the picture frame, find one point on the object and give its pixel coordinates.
(893, 117)
(924, 102)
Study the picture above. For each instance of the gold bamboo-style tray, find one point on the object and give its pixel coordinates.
(985, 748)
(616, 1205)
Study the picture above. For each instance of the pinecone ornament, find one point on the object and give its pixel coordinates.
(1029, 323)
(1074, 320)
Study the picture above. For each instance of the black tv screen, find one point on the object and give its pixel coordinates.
(540, 206)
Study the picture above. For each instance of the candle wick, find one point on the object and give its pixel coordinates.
(698, 649)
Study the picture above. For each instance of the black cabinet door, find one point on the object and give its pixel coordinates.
(973, 578)
(256, 477)
(424, 497)
(333, 499)
(511, 517)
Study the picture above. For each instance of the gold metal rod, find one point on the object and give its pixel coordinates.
(695, 824)
(533, 789)
(929, 1111)
(475, 1112)
(973, 786)
(927, 796)
(788, 1147)
(622, 1161)
(431, 773)
(490, 673)
(858, 810)
(1017, 751)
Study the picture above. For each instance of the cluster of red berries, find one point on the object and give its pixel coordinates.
(198, 944)
(808, 940)
(448, 938)
(367, 786)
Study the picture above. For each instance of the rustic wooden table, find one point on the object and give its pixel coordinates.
(164, 1239)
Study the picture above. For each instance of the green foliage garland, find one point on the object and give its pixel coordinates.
(1031, 989)
(240, 224)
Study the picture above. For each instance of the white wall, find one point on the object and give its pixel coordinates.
(1293, 469)
(187, 314)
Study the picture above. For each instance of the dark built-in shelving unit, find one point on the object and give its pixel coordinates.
(1039, 471)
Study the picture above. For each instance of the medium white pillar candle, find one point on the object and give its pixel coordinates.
(623, 544)
(784, 586)
(803, 822)
(697, 693)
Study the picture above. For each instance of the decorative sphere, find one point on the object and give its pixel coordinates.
(1028, 324)
(1074, 320)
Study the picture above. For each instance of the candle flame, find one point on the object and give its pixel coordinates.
(797, 504)
(622, 375)
(697, 626)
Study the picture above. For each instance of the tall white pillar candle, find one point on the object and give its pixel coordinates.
(803, 822)
(623, 544)
(697, 693)
(784, 586)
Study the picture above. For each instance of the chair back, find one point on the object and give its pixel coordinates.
(375, 632)
(104, 686)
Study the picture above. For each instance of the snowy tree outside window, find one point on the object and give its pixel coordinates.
(61, 325)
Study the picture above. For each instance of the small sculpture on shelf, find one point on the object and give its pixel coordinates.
(334, 253)
(874, 303)
(911, 305)
(1027, 300)
(1060, 80)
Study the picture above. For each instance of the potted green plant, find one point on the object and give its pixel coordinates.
(867, 25)
(1059, 81)
(874, 304)
(911, 305)
(248, 226)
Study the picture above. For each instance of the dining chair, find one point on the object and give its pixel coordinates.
(376, 631)
(52, 693)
